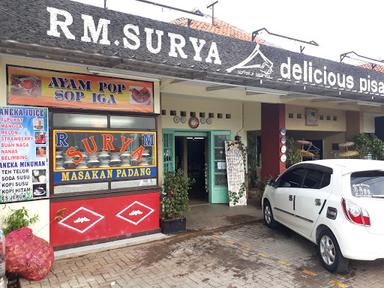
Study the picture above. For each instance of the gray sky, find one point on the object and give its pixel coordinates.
(338, 26)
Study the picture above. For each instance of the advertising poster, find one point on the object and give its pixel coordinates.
(235, 174)
(61, 89)
(96, 156)
(24, 169)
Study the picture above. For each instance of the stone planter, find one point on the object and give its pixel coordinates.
(172, 226)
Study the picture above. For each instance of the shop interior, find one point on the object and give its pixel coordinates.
(191, 156)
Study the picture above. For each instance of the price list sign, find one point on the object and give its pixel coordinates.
(24, 153)
(235, 173)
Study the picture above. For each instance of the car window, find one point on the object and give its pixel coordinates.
(316, 179)
(367, 183)
(313, 179)
(292, 178)
(326, 180)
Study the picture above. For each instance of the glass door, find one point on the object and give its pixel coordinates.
(218, 186)
(168, 151)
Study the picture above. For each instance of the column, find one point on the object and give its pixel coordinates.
(272, 120)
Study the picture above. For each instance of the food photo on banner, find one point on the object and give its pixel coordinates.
(63, 89)
(23, 153)
(95, 156)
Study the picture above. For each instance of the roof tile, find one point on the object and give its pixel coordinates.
(219, 27)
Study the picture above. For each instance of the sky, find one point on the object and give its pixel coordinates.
(338, 26)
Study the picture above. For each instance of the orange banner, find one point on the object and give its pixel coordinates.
(29, 86)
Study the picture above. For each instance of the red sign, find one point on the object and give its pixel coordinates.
(81, 220)
(135, 213)
(101, 218)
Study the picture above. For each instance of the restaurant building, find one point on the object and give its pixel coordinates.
(96, 105)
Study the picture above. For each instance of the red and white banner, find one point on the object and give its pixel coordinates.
(100, 218)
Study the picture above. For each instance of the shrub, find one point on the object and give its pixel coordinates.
(17, 219)
(369, 144)
(174, 197)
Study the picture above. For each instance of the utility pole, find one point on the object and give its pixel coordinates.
(213, 10)
(105, 4)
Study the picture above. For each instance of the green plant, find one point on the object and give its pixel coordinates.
(293, 152)
(174, 197)
(17, 219)
(260, 187)
(369, 144)
(235, 196)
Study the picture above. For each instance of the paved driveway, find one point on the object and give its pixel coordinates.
(249, 255)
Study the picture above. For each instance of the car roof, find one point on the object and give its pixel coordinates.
(349, 165)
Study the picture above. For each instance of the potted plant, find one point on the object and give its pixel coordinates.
(174, 202)
(293, 152)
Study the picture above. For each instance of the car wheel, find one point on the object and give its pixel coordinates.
(330, 254)
(268, 215)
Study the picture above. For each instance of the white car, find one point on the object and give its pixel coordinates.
(337, 204)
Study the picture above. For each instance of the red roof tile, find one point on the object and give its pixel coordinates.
(377, 68)
(220, 27)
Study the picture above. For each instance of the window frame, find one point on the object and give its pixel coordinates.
(324, 169)
(108, 114)
(289, 171)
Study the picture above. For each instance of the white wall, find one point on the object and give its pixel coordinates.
(295, 123)
(252, 116)
(369, 122)
(198, 104)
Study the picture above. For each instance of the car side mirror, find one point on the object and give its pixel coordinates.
(273, 182)
(286, 184)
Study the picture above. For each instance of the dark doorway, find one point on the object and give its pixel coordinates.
(191, 157)
(197, 167)
(379, 127)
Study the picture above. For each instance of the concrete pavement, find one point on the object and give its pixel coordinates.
(244, 255)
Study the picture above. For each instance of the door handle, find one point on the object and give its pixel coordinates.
(290, 197)
(317, 202)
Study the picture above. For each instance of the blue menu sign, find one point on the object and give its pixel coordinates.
(24, 169)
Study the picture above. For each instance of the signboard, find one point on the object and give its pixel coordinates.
(94, 156)
(235, 174)
(95, 219)
(75, 32)
(24, 169)
(69, 90)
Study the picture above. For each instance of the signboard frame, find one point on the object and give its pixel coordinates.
(28, 172)
(108, 173)
(83, 93)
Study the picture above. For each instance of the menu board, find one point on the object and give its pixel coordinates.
(24, 153)
(69, 90)
(235, 173)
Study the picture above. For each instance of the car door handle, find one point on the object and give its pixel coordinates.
(317, 202)
(290, 197)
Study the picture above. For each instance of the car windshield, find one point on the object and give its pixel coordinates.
(367, 183)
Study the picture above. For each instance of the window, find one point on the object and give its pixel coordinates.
(326, 180)
(313, 179)
(367, 184)
(94, 153)
(61, 120)
(292, 178)
(127, 122)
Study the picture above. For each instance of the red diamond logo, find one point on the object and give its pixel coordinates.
(81, 220)
(135, 213)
